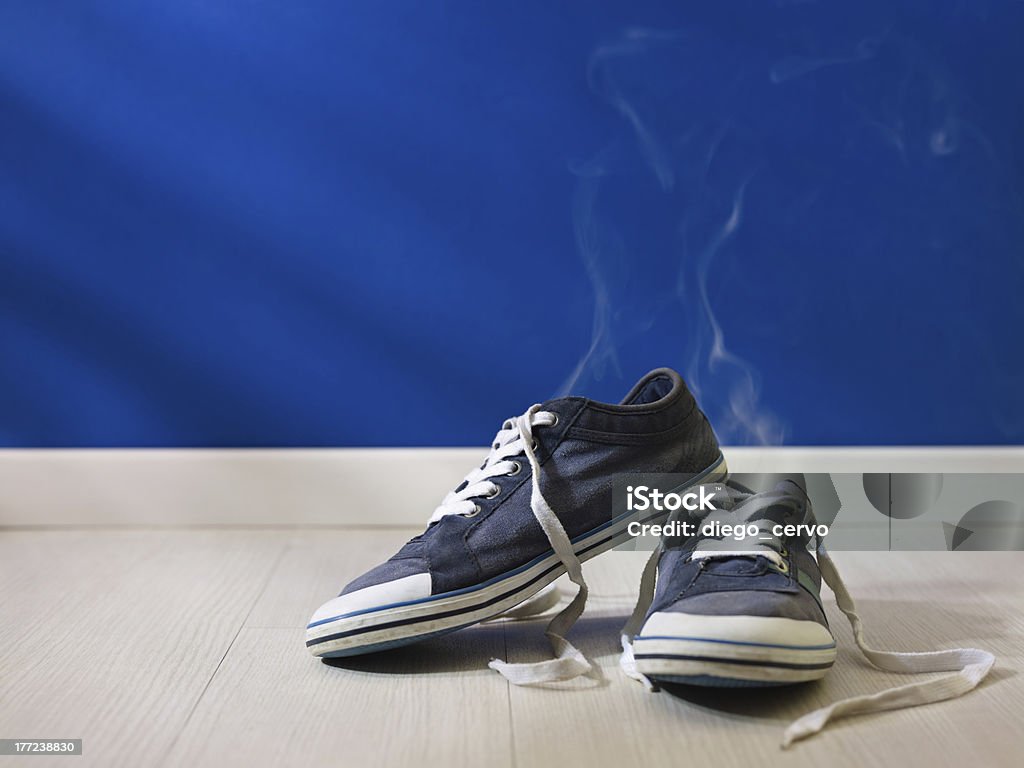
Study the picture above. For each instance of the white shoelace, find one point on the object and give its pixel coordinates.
(968, 665)
(515, 438)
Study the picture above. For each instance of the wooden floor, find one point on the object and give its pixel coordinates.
(184, 647)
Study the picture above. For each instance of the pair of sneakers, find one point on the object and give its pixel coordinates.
(708, 613)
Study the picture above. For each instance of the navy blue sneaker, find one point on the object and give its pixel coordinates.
(717, 610)
(738, 613)
(539, 504)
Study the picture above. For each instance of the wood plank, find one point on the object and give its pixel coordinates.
(112, 637)
(271, 703)
(131, 641)
(314, 568)
(909, 600)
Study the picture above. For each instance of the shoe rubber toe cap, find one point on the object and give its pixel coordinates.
(377, 596)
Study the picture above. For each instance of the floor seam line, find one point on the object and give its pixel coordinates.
(514, 757)
(195, 705)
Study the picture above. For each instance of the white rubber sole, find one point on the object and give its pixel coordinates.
(733, 651)
(397, 624)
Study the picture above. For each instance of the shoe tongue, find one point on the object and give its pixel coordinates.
(734, 566)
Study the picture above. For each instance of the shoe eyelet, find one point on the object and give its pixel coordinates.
(474, 513)
(784, 566)
(495, 492)
(516, 471)
(534, 445)
(555, 422)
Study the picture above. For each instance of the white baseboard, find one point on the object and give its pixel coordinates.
(347, 486)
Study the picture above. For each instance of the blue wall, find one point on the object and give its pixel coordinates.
(396, 223)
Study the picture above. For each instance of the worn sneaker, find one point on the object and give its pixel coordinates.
(715, 610)
(737, 613)
(539, 504)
